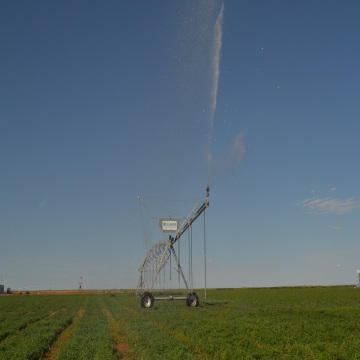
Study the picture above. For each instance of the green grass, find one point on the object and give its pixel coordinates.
(267, 323)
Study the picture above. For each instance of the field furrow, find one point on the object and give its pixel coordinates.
(91, 337)
(63, 337)
(122, 347)
(33, 341)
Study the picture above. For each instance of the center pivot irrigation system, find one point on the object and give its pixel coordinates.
(161, 254)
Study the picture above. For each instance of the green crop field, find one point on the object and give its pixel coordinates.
(266, 323)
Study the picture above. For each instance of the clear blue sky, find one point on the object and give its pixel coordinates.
(101, 102)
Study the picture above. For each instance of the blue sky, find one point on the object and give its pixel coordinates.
(102, 102)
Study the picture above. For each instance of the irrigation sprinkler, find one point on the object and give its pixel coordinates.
(163, 253)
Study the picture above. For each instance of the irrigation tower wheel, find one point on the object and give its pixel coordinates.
(147, 300)
(192, 299)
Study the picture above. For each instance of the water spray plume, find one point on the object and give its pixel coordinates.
(209, 160)
(237, 150)
(216, 65)
(215, 70)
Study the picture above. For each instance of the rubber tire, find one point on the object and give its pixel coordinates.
(192, 300)
(147, 300)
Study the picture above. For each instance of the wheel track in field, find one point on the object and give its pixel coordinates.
(64, 336)
(179, 336)
(122, 346)
(24, 326)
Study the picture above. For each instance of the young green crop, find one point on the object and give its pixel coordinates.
(284, 323)
(33, 341)
(92, 338)
(269, 323)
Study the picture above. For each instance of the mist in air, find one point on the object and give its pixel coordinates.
(187, 112)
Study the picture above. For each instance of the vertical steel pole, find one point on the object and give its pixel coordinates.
(179, 262)
(189, 259)
(192, 280)
(205, 253)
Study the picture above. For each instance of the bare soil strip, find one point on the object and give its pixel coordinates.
(184, 339)
(10, 335)
(122, 347)
(64, 336)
